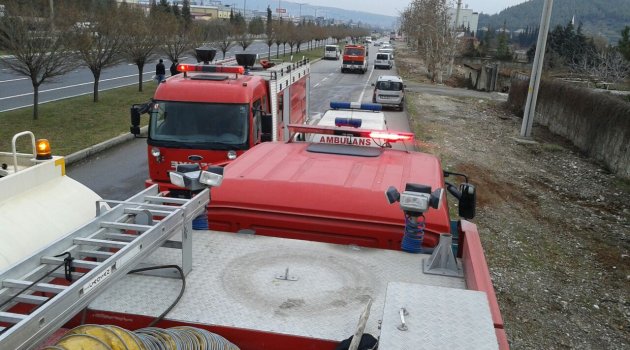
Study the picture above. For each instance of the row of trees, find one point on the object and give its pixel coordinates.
(101, 33)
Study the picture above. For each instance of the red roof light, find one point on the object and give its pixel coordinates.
(210, 68)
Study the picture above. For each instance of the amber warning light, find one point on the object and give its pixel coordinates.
(43, 149)
(210, 68)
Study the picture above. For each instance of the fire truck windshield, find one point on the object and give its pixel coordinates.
(199, 125)
(354, 52)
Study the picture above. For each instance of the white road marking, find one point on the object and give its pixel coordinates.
(325, 79)
(10, 80)
(63, 98)
(75, 85)
(366, 85)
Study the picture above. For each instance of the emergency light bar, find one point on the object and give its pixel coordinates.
(353, 122)
(356, 105)
(331, 130)
(210, 68)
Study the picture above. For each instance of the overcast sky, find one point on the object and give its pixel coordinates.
(393, 7)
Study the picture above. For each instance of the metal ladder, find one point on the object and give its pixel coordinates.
(105, 250)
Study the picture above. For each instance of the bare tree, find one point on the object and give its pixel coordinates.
(99, 44)
(37, 51)
(223, 36)
(428, 23)
(610, 66)
(140, 43)
(177, 36)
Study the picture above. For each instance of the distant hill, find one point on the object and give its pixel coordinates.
(293, 9)
(605, 17)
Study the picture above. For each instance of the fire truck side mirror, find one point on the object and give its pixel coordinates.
(135, 120)
(467, 201)
(266, 127)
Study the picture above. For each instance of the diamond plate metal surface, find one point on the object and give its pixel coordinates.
(438, 318)
(233, 284)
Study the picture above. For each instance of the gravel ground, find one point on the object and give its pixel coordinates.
(555, 225)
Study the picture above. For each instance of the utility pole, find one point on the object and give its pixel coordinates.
(450, 66)
(534, 81)
(301, 3)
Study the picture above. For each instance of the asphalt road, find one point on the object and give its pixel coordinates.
(16, 91)
(119, 172)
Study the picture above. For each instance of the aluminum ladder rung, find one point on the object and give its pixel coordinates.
(30, 299)
(10, 317)
(122, 237)
(168, 200)
(84, 264)
(100, 243)
(99, 254)
(154, 212)
(125, 226)
(39, 287)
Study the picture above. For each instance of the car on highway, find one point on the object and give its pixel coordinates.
(383, 60)
(332, 52)
(389, 90)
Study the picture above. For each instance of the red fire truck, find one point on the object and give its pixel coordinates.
(354, 59)
(211, 114)
(320, 247)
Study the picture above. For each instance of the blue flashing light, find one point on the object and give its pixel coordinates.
(356, 105)
(341, 121)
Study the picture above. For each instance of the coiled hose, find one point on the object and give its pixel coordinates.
(414, 234)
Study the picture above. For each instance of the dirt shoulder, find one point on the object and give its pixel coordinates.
(555, 226)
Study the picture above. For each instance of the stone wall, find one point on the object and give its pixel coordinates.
(597, 123)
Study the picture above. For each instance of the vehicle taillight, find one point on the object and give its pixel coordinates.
(43, 149)
(210, 68)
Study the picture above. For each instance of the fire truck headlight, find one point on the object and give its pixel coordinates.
(231, 155)
(210, 179)
(177, 179)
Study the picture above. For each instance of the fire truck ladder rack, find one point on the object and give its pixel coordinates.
(282, 76)
(104, 250)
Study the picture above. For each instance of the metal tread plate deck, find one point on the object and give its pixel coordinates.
(233, 284)
(442, 318)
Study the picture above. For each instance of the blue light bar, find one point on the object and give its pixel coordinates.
(356, 105)
(342, 121)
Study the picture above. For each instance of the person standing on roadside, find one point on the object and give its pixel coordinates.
(173, 68)
(160, 71)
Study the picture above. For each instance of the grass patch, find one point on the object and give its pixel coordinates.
(75, 123)
(315, 53)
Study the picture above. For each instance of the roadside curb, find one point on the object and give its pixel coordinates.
(87, 152)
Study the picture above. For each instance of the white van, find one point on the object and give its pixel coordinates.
(388, 50)
(389, 90)
(383, 60)
(332, 52)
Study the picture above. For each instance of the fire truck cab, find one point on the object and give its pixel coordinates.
(354, 59)
(211, 114)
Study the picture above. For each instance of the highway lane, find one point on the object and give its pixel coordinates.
(119, 172)
(17, 92)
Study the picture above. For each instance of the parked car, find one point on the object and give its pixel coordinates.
(389, 90)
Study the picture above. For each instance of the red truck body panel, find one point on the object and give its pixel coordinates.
(284, 190)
